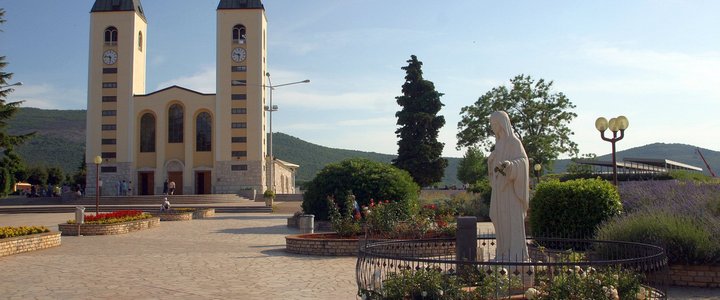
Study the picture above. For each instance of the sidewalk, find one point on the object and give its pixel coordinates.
(230, 256)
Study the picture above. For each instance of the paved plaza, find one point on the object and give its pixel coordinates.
(230, 256)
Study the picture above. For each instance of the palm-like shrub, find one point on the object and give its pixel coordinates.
(365, 179)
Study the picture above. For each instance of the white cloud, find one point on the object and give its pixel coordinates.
(367, 122)
(203, 81)
(649, 72)
(48, 96)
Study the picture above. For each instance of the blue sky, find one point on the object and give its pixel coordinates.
(656, 62)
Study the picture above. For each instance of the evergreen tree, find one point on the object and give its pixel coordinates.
(419, 151)
(10, 163)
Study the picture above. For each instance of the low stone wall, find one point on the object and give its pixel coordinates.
(175, 216)
(26, 243)
(202, 213)
(696, 276)
(304, 244)
(109, 229)
(319, 244)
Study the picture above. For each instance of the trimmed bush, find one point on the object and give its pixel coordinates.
(365, 179)
(572, 209)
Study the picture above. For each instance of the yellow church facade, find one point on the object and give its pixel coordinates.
(204, 143)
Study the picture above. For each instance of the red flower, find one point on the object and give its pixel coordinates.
(387, 201)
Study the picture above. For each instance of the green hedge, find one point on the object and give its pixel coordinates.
(365, 179)
(572, 209)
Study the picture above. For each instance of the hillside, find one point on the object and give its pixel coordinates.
(312, 157)
(60, 141)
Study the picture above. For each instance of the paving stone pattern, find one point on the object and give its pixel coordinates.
(230, 256)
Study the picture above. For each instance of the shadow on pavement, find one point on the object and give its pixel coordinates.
(268, 217)
(282, 252)
(277, 229)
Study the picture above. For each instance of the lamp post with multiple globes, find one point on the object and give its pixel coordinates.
(615, 124)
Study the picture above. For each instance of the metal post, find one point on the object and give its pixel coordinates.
(97, 189)
(270, 147)
(466, 241)
(615, 181)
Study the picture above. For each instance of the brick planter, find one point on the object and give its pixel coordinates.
(329, 244)
(175, 216)
(696, 276)
(109, 229)
(202, 213)
(321, 244)
(26, 243)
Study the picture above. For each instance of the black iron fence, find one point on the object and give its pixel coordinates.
(552, 268)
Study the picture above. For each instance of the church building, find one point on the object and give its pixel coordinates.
(205, 143)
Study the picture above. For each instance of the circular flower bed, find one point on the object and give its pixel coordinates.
(117, 222)
(601, 270)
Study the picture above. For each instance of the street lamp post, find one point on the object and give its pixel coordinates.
(98, 161)
(270, 108)
(537, 169)
(615, 124)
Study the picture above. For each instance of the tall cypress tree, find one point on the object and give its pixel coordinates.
(419, 151)
(9, 162)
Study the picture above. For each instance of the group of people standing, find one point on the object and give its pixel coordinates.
(124, 188)
(168, 187)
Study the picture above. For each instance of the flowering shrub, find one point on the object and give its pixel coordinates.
(682, 217)
(114, 217)
(365, 179)
(588, 283)
(345, 225)
(8, 232)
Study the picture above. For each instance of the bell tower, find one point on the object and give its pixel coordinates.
(240, 86)
(116, 72)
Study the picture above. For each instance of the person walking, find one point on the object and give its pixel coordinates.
(165, 187)
(171, 187)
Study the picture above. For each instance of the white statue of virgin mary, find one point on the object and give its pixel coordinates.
(508, 173)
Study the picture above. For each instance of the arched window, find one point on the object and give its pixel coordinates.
(203, 132)
(147, 133)
(111, 35)
(175, 124)
(140, 41)
(238, 34)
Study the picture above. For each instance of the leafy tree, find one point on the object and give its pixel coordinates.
(55, 176)
(473, 166)
(419, 151)
(9, 161)
(37, 176)
(81, 173)
(539, 118)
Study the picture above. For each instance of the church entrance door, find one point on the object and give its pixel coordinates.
(203, 182)
(177, 177)
(147, 183)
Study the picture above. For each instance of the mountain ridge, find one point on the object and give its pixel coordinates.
(63, 131)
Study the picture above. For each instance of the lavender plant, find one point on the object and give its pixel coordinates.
(682, 217)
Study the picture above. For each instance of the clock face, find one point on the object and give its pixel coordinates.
(110, 57)
(238, 54)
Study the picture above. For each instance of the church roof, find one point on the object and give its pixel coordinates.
(240, 4)
(118, 5)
